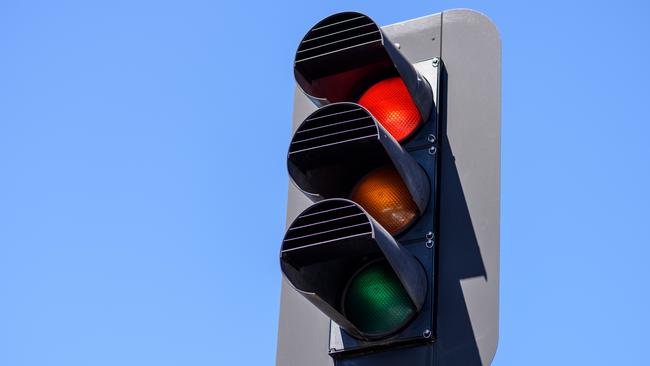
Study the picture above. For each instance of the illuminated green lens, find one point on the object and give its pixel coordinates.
(375, 301)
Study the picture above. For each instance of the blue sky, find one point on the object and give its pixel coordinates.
(143, 188)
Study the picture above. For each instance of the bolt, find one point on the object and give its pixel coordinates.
(435, 62)
(433, 150)
(431, 138)
(426, 334)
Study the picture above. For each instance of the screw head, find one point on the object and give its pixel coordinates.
(435, 62)
(431, 138)
(426, 334)
(432, 150)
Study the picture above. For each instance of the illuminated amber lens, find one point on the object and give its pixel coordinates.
(384, 195)
(391, 104)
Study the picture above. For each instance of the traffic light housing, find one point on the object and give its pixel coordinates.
(366, 151)
(384, 165)
(353, 270)
(345, 54)
(338, 144)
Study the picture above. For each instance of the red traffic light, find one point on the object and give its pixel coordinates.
(391, 104)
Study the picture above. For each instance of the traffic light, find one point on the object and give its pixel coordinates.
(372, 143)
(347, 58)
(352, 269)
(368, 154)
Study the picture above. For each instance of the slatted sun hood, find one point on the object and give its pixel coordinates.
(344, 54)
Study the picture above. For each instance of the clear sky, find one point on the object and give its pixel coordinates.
(143, 180)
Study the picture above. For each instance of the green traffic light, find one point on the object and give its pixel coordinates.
(375, 300)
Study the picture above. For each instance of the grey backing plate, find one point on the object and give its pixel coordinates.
(468, 244)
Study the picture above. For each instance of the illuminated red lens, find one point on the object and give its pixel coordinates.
(386, 198)
(393, 107)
